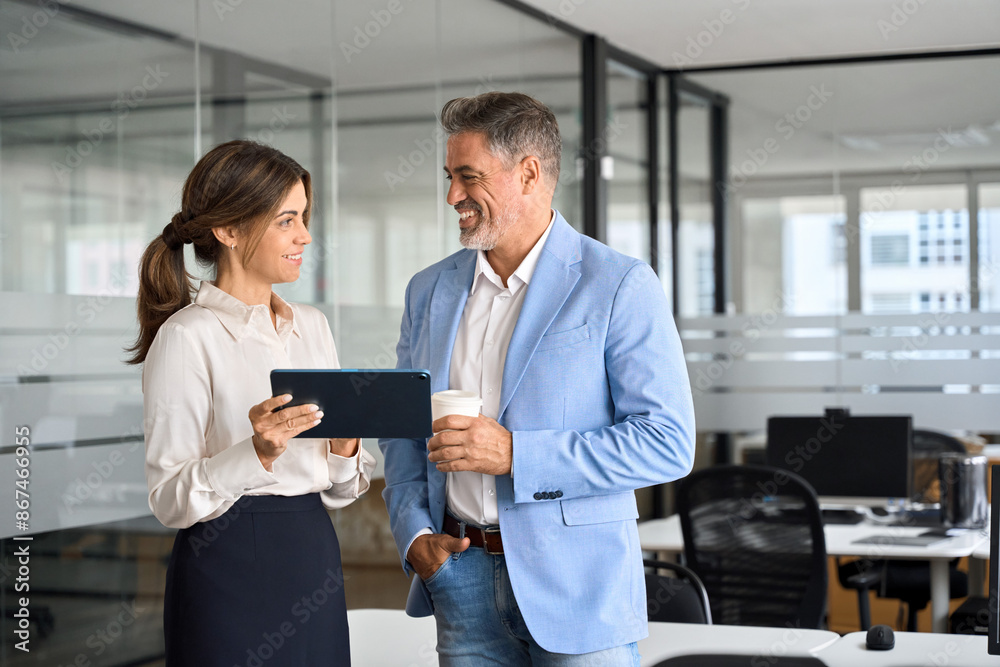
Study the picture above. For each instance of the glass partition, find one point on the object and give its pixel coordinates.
(794, 255)
(626, 166)
(989, 247)
(105, 109)
(695, 236)
(914, 251)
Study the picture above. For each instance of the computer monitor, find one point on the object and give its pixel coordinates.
(848, 460)
(993, 620)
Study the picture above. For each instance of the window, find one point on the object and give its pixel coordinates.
(891, 249)
(989, 247)
(780, 264)
(898, 302)
(935, 217)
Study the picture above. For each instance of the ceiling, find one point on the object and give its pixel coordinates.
(877, 117)
(728, 32)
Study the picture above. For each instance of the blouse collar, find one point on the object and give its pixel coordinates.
(237, 316)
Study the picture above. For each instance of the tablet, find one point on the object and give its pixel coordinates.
(361, 403)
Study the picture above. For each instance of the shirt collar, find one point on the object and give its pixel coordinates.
(523, 272)
(237, 316)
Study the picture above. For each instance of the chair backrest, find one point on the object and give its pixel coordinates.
(678, 599)
(741, 661)
(754, 535)
(928, 446)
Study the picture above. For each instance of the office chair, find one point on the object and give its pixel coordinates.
(678, 599)
(907, 580)
(754, 535)
(714, 660)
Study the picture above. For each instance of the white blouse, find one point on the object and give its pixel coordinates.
(208, 365)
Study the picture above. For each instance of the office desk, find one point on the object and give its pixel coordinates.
(390, 638)
(670, 640)
(913, 649)
(664, 536)
(977, 567)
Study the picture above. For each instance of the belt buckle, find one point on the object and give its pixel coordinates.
(486, 543)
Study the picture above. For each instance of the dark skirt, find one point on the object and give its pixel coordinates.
(259, 586)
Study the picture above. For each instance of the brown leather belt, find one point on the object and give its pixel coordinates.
(488, 539)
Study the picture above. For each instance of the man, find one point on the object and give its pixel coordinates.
(520, 523)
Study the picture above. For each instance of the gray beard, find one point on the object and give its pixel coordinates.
(487, 234)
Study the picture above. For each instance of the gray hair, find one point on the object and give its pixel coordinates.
(515, 125)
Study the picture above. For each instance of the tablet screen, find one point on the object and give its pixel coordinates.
(361, 403)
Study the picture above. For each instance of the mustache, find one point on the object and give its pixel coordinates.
(468, 203)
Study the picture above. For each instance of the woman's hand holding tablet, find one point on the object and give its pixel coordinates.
(273, 428)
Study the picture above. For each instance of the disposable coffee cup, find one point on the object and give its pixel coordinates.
(455, 402)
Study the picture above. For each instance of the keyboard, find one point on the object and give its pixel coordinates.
(921, 540)
(841, 517)
(922, 519)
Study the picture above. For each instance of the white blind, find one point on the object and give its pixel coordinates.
(942, 368)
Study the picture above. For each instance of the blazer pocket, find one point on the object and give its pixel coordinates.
(599, 509)
(558, 339)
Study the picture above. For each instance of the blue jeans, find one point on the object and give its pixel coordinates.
(479, 622)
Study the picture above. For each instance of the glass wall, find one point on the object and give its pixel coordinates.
(695, 235)
(914, 250)
(105, 108)
(664, 231)
(861, 163)
(989, 247)
(626, 167)
(786, 232)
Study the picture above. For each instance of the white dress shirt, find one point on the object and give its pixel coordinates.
(208, 365)
(477, 362)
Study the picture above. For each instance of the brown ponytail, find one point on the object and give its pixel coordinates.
(240, 184)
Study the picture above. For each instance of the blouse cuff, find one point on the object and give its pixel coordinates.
(237, 470)
(344, 469)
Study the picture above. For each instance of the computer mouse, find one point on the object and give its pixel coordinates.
(880, 638)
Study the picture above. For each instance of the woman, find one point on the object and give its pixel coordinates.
(255, 575)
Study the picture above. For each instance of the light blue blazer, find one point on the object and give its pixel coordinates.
(596, 394)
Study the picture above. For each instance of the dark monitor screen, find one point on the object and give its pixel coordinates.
(993, 623)
(845, 457)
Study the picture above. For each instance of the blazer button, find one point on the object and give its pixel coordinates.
(558, 494)
(538, 495)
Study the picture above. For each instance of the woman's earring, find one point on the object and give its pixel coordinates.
(232, 247)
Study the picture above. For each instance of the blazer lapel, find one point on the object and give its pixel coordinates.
(447, 304)
(554, 278)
